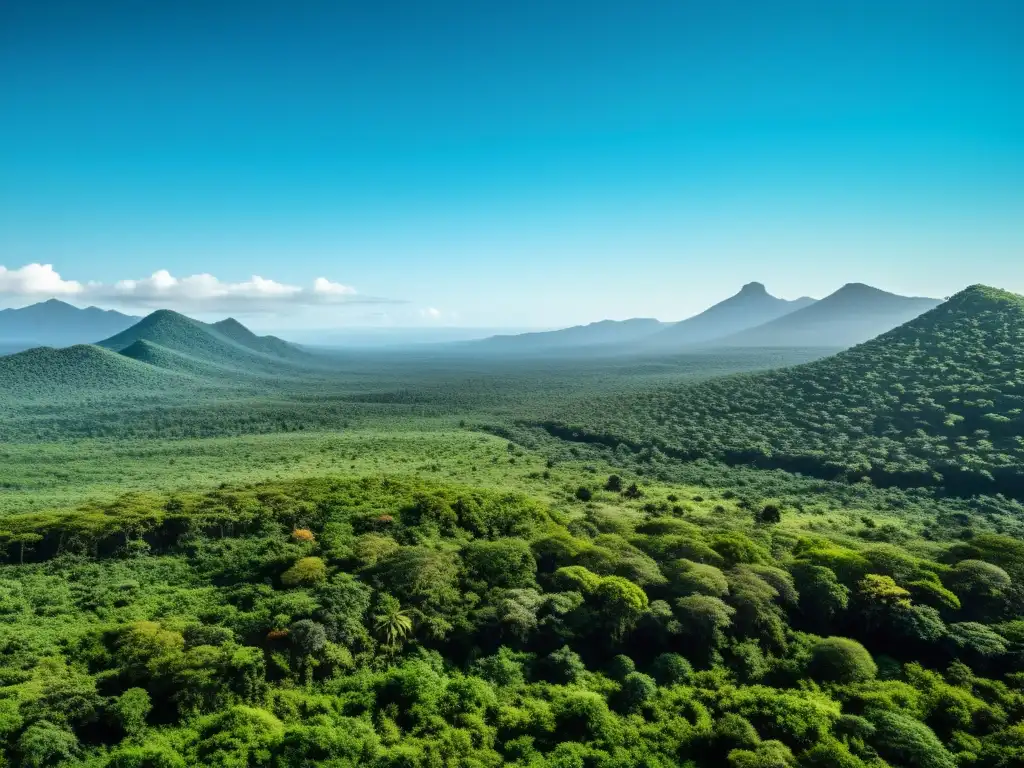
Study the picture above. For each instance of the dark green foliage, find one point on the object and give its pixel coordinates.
(620, 667)
(637, 690)
(564, 666)
(672, 669)
(506, 563)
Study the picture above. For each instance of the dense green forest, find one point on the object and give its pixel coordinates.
(216, 550)
(396, 622)
(936, 402)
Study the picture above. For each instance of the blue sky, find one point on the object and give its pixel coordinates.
(506, 164)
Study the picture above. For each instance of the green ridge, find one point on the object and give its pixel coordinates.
(48, 374)
(935, 402)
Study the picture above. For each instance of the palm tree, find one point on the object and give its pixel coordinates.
(393, 625)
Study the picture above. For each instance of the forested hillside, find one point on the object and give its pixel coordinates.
(53, 375)
(938, 402)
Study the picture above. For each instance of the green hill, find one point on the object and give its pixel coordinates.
(191, 346)
(169, 360)
(52, 375)
(852, 315)
(264, 345)
(936, 402)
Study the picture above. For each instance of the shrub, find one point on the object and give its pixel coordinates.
(308, 571)
(903, 740)
(671, 669)
(637, 689)
(841, 660)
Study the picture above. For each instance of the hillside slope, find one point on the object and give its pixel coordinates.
(751, 307)
(52, 375)
(168, 339)
(56, 323)
(852, 315)
(264, 345)
(938, 401)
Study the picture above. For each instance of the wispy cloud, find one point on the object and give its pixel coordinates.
(198, 293)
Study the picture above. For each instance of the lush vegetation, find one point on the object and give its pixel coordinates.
(381, 560)
(938, 402)
(46, 375)
(388, 621)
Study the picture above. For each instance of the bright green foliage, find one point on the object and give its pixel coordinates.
(306, 572)
(576, 578)
(767, 754)
(391, 624)
(841, 660)
(620, 604)
(507, 563)
(691, 578)
(906, 741)
(44, 744)
(131, 709)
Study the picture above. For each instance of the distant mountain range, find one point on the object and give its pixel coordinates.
(852, 315)
(56, 323)
(751, 318)
(749, 308)
(601, 333)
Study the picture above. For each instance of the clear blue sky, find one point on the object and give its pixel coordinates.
(522, 163)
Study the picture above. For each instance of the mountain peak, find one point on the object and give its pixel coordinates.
(862, 288)
(754, 289)
(230, 324)
(166, 315)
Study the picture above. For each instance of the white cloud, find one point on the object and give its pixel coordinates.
(325, 287)
(199, 293)
(431, 313)
(35, 280)
(163, 289)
